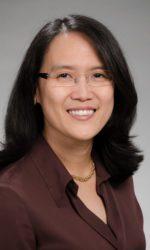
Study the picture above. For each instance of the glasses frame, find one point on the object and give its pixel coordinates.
(75, 80)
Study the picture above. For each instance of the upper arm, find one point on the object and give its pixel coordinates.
(16, 230)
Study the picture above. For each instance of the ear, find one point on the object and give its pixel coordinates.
(35, 100)
(36, 96)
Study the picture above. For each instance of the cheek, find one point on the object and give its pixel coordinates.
(107, 106)
(52, 100)
(106, 98)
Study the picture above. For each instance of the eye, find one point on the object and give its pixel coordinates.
(64, 76)
(99, 75)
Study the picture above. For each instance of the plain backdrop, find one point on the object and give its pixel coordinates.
(129, 20)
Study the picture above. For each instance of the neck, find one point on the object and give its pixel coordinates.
(75, 155)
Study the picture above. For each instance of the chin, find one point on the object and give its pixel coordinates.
(83, 136)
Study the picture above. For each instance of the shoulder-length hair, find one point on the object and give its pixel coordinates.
(24, 120)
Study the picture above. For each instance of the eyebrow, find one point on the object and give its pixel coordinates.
(57, 67)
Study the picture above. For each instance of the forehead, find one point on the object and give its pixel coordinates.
(72, 48)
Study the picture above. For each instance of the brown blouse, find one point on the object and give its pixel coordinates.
(40, 210)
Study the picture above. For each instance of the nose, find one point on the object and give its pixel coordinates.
(81, 90)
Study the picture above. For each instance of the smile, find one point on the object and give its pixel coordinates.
(81, 114)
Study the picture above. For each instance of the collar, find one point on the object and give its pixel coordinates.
(54, 173)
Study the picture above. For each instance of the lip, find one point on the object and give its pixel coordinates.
(80, 117)
(82, 108)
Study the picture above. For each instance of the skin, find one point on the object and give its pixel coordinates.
(70, 136)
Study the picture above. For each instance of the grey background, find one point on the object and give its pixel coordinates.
(129, 21)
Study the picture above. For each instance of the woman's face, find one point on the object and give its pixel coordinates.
(75, 112)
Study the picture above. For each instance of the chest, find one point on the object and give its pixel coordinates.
(75, 222)
(94, 202)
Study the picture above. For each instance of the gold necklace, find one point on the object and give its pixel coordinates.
(86, 178)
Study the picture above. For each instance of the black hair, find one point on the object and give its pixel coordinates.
(24, 120)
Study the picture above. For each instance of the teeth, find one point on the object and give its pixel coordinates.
(81, 112)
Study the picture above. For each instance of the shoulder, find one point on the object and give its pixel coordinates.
(14, 173)
(9, 200)
(23, 169)
(29, 176)
(22, 177)
(124, 194)
(125, 188)
(126, 198)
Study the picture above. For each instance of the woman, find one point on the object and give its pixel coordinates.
(68, 160)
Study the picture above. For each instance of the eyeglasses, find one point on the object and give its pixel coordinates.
(97, 78)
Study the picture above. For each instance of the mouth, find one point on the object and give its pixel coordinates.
(81, 113)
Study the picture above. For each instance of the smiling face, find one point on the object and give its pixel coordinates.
(77, 112)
